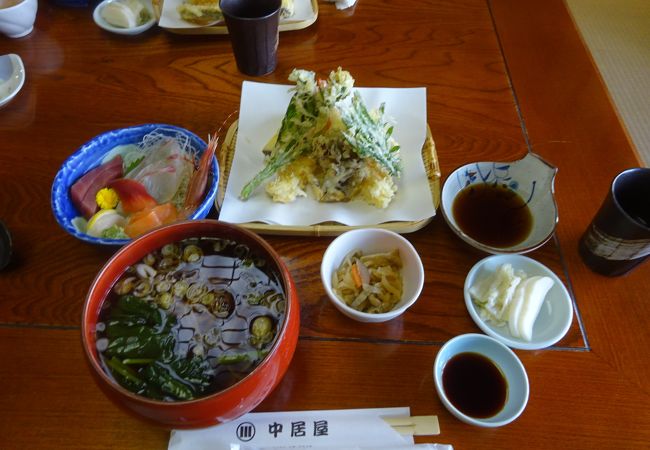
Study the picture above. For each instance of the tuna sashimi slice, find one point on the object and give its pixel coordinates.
(84, 190)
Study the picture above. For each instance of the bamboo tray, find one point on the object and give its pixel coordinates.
(429, 157)
(220, 28)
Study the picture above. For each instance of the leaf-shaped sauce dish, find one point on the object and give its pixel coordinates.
(502, 207)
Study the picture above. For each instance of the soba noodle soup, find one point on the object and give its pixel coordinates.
(190, 319)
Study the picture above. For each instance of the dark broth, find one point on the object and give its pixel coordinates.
(201, 314)
(474, 385)
(492, 214)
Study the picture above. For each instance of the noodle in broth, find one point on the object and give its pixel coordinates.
(190, 319)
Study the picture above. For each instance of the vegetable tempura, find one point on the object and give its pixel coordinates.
(330, 146)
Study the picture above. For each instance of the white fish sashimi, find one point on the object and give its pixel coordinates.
(164, 170)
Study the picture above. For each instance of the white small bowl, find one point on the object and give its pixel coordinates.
(554, 318)
(374, 240)
(18, 20)
(99, 20)
(507, 362)
(531, 177)
(12, 77)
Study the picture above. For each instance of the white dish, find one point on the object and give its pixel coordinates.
(12, 77)
(554, 318)
(99, 20)
(374, 240)
(17, 20)
(508, 363)
(262, 109)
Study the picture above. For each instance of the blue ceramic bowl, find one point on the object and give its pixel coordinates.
(90, 155)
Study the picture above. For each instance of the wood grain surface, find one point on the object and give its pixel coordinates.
(502, 77)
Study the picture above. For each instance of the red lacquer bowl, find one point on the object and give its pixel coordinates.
(222, 406)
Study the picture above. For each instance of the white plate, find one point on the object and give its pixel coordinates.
(170, 18)
(12, 77)
(99, 20)
(554, 318)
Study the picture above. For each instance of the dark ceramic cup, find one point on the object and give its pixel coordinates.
(253, 28)
(618, 238)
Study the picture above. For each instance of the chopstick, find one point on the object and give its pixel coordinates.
(414, 425)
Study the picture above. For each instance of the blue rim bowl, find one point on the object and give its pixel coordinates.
(531, 177)
(90, 155)
(507, 362)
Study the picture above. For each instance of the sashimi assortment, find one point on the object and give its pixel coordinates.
(138, 187)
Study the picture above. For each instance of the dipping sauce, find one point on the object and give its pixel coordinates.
(474, 385)
(492, 214)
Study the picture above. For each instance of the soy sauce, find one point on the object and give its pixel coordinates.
(474, 385)
(492, 214)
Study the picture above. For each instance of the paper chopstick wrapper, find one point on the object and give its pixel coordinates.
(380, 428)
(392, 447)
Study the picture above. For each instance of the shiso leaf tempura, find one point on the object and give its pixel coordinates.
(330, 144)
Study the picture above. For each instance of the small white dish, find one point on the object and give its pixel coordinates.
(374, 240)
(12, 77)
(510, 366)
(17, 20)
(554, 318)
(531, 178)
(99, 20)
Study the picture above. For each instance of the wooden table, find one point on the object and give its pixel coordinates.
(502, 77)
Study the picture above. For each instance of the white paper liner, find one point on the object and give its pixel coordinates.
(261, 111)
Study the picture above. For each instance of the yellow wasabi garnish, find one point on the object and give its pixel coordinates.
(106, 198)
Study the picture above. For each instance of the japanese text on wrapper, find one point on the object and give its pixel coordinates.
(295, 429)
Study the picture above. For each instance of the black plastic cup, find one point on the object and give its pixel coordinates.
(618, 238)
(253, 28)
